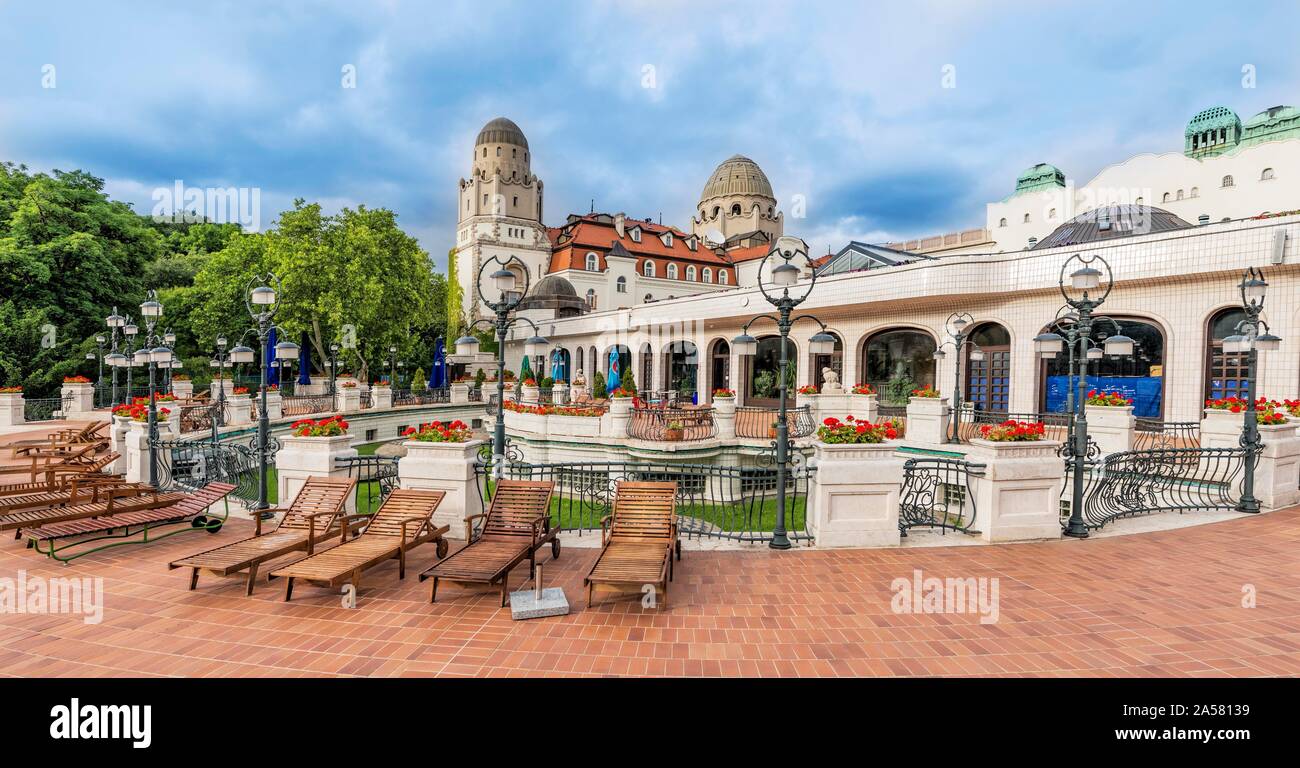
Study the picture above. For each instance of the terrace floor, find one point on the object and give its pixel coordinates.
(1166, 603)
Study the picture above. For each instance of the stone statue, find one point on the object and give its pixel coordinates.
(830, 381)
(579, 379)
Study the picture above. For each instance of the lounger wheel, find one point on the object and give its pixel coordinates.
(442, 548)
(198, 522)
(555, 548)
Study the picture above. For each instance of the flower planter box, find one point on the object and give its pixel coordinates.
(927, 420)
(1221, 428)
(239, 410)
(447, 467)
(1017, 496)
(1277, 475)
(137, 449)
(302, 457)
(12, 409)
(1111, 426)
(78, 398)
(855, 493)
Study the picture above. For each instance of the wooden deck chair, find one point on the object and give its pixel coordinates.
(639, 539)
(189, 508)
(404, 521)
(114, 501)
(516, 525)
(87, 433)
(80, 489)
(37, 462)
(58, 476)
(309, 520)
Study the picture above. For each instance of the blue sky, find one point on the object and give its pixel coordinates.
(841, 103)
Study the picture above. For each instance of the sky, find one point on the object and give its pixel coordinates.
(873, 121)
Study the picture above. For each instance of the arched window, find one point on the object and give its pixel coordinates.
(1139, 376)
(722, 277)
(621, 285)
(1180, 194)
(1051, 215)
(1139, 201)
(593, 262)
(988, 380)
(1002, 222)
(498, 151)
(1225, 373)
(719, 366)
(1227, 181)
(762, 372)
(896, 362)
(834, 361)
(716, 211)
(649, 268)
(1164, 198)
(690, 272)
(591, 304)
(671, 272)
(735, 209)
(1026, 218)
(1266, 175)
(708, 275)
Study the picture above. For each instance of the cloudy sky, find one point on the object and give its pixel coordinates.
(630, 103)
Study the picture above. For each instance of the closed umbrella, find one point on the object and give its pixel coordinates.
(613, 381)
(272, 370)
(304, 360)
(525, 370)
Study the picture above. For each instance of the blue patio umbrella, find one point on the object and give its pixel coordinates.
(304, 360)
(272, 372)
(438, 374)
(614, 379)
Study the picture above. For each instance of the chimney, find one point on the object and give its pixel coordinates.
(619, 219)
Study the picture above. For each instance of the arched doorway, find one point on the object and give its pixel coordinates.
(719, 365)
(834, 361)
(561, 368)
(1226, 374)
(1139, 376)
(617, 359)
(988, 381)
(895, 362)
(763, 372)
(681, 370)
(645, 376)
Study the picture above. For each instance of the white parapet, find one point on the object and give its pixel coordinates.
(347, 399)
(183, 388)
(1221, 428)
(239, 410)
(854, 495)
(274, 405)
(1018, 494)
(78, 399)
(12, 409)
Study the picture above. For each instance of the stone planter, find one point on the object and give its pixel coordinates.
(1111, 426)
(303, 457)
(1221, 428)
(927, 420)
(382, 396)
(1018, 496)
(274, 405)
(620, 415)
(529, 395)
(117, 442)
(137, 449)
(77, 399)
(864, 407)
(347, 399)
(854, 494)
(459, 393)
(239, 410)
(1277, 475)
(446, 467)
(183, 389)
(724, 416)
(12, 409)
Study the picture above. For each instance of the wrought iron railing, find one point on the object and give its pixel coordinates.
(1153, 434)
(367, 398)
(188, 465)
(723, 502)
(760, 422)
(376, 478)
(303, 405)
(936, 493)
(672, 424)
(198, 417)
(45, 408)
(103, 395)
(421, 396)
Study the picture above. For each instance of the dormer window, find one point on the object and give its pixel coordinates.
(672, 271)
(635, 232)
(649, 269)
(593, 262)
(690, 272)
(668, 239)
(692, 242)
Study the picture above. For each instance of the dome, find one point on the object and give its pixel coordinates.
(1040, 175)
(502, 130)
(738, 175)
(553, 285)
(1109, 222)
(1213, 118)
(1272, 115)
(554, 293)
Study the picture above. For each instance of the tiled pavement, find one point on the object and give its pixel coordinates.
(1156, 604)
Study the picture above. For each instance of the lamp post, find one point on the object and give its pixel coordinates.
(783, 276)
(333, 363)
(956, 326)
(1252, 335)
(115, 359)
(99, 356)
(504, 282)
(1086, 279)
(152, 310)
(221, 361)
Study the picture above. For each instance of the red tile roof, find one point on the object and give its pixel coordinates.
(571, 243)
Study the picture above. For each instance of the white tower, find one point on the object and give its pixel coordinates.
(500, 213)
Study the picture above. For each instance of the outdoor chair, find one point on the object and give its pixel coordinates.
(638, 539)
(115, 501)
(57, 476)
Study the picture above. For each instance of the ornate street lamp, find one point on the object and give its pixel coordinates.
(509, 297)
(262, 303)
(115, 359)
(220, 361)
(1252, 335)
(784, 275)
(153, 356)
(957, 327)
(333, 364)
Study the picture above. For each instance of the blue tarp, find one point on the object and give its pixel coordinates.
(438, 374)
(614, 379)
(1146, 391)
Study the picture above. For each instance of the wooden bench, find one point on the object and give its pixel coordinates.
(639, 539)
(309, 520)
(516, 525)
(404, 521)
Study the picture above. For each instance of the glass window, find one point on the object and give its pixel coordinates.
(593, 262)
(1225, 373)
(897, 362)
(649, 268)
(672, 271)
(1139, 376)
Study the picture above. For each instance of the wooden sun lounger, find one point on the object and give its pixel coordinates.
(37, 462)
(516, 525)
(185, 507)
(88, 433)
(81, 489)
(309, 520)
(119, 500)
(402, 522)
(57, 477)
(639, 539)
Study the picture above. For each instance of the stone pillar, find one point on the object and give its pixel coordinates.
(117, 442)
(864, 408)
(382, 395)
(12, 409)
(347, 399)
(1111, 427)
(927, 420)
(303, 457)
(239, 410)
(854, 495)
(459, 394)
(137, 450)
(78, 399)
(620, 416)
(1277, 474)
(445, 467)
(1221, 428)
(1018, 495)
(274, 405)
(724, 416)
(183, 389)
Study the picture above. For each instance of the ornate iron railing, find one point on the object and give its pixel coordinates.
(45, 408)
(421, 396)
(672, 424)
(376, 478)
(302, 405)
(1153, 434)
(198, 417)
(104, 395)
(188, 465)
(367, 398)
(936, 493)
(760, 422)
(723, 502)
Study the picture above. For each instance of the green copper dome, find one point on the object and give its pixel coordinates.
(1212, 132)
(1039, 176)
(1213, 118)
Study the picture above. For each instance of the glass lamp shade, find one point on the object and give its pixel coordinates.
(334, 348)
(151, 308)
(115, 320)
(939, 354)
(141, 357)
(176, 363)
(1095, 353)
(785, 274)
(214, 363)
(90, 355)
(286, 350)
(115, 359)
(169, 339)
(1253, 290)
(130, 329)
(977, 355)
(821, 344)
(467, 346)
(504, 280)
(959, 324)
(1119, 345)
(536, 346)
(1047, 355)
(100, 340)
(1235, 343)
(161, 354)
(1268, 342)
(745, 345)
(242, 354)
(1085, 278)
(1048, 344)
(221, 342)
(262, 295)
